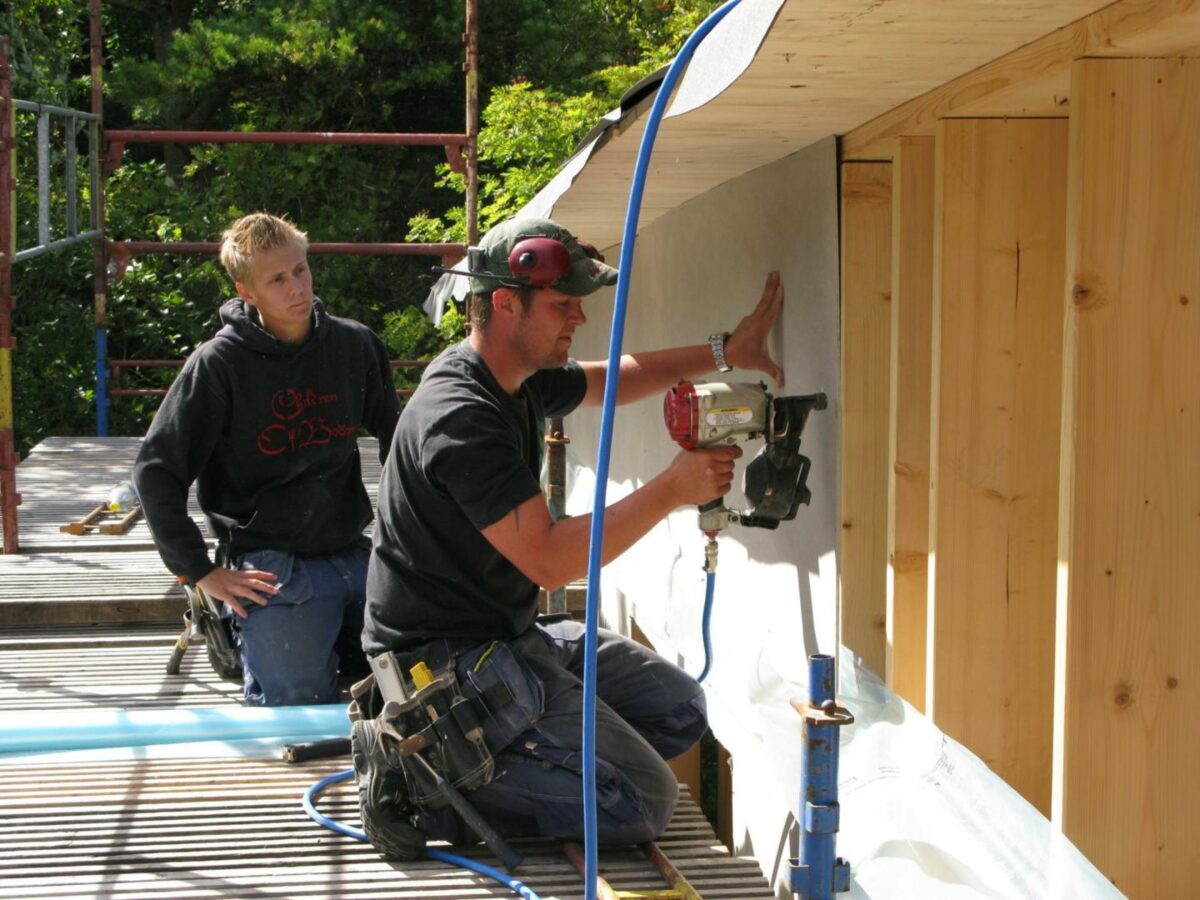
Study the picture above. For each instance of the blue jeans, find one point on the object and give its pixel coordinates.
(293, 648)
(647, 710)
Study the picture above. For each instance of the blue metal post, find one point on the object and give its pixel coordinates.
(101, 381)
(819, 873)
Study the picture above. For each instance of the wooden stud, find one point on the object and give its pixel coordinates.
(908, 444)
(999, 275)
(1127, 765)
(725, 797)
(866, 323)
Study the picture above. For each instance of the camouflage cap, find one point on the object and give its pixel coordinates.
(588, 271)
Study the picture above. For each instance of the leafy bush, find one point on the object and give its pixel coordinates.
(548, 72)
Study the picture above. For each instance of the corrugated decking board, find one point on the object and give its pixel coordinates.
(175, 828)
(202, 828)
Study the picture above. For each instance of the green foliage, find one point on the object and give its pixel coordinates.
(549, 70)
(453, 327)
(410, 335)
(527, 132)
(48, 50)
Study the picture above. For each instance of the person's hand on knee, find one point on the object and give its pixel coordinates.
(232, 586)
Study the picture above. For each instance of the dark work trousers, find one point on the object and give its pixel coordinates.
(647, 710)
(293, 648)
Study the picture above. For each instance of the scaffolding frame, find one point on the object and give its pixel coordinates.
(111, 258)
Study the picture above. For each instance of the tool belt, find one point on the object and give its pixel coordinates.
(462, 706)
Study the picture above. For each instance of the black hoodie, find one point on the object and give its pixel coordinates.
(268, 431)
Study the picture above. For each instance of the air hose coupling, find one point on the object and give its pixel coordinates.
(710, 553)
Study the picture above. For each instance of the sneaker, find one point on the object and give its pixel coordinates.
(383, 795)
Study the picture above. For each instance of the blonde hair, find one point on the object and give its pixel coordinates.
(254, 234)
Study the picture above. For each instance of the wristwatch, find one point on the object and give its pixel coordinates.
(717, 342)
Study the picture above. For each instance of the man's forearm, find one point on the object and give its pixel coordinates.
(625, 523)
(746, 347)
(649, 373)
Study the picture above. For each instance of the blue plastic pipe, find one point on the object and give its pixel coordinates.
(616, 339)
(310, 807)
(101, 381)
(90, 729)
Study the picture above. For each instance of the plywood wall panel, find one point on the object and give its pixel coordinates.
(1001, 222)
(1128, 770)
(866, 325)
(908, 470)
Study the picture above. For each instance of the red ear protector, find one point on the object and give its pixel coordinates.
(544, 262)
(535, 260)
(540, 261)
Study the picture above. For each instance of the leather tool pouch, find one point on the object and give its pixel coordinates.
(443, 726)
(480, 701)
(365, 701)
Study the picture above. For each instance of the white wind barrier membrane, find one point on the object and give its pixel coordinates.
(922, 816)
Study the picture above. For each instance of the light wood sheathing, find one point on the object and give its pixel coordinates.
(1119, 658)
(1128, 768)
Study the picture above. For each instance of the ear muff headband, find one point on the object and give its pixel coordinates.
(535, 260)
(540, 261)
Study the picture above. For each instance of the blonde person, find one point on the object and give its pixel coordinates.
(264, 418)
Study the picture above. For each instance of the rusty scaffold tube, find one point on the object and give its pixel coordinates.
(357, 138)
(9, 499)
(454, 251)
(471, 69)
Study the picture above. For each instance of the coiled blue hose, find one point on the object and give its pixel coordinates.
(310, 799)
(616, 339)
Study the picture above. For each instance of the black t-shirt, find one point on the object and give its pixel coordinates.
(465, 454)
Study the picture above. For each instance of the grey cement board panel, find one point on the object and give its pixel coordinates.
(697, 270)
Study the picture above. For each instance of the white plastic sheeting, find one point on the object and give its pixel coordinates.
(724, 55)
(922, 817)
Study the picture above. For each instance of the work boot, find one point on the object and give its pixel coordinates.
(383, 795)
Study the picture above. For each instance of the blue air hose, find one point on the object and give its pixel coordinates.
(628, 239)
(310, 798)
(710, 583)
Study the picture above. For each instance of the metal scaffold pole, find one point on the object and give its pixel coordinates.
(471, 68)
(9, 499)
(100, 261)
(819, 873)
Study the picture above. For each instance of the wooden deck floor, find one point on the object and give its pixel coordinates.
(64, 478)
(176, 823)
(222, 828)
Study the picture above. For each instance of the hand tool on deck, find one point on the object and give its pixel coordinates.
(678, 887)
(322, 749)
(122, 502)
